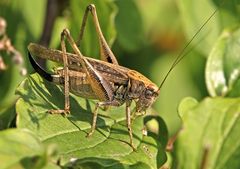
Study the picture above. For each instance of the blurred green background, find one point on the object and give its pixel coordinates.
(145, 35)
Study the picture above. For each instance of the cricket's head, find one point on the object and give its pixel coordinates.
(147, 98)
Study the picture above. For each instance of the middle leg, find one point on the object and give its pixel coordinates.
(95, 113)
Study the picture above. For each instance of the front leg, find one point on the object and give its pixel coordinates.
(128, 121)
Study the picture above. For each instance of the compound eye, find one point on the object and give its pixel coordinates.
(148, 94)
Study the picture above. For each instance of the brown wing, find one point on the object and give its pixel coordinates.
(115, 73)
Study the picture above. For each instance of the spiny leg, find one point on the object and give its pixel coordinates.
(94, 121)
(128, 120)
(105, 51)
(66, 81)
(83, 26)
(66, 75)
(95, 113)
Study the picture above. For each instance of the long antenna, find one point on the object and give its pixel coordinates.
(181, 55)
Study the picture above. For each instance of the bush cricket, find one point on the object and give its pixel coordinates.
(103, 80)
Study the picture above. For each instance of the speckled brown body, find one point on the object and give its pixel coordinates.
(127, 84)
(104, 79)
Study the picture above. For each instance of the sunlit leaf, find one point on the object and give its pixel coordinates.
(20, 148)
(129, 25)
(22, 25)
(210, 135)
(109, 144)
(223, 66)
(193, 18)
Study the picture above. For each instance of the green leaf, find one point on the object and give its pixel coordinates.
(210, 135)
(106, 12)
(193, 18)
(129, 25)
(223, 65)
(10, 78)
(186, 104)
(20, 148)
(107, 147)
(22, 25)
(229, 11)
(6, 117)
